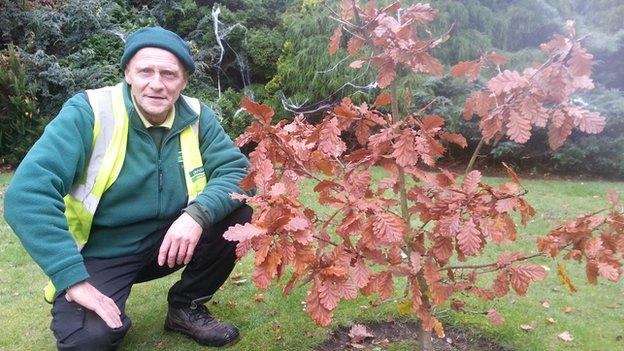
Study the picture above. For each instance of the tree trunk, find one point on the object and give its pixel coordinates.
(424, 340)
(424, 337)
(401, 177)
(474, 156)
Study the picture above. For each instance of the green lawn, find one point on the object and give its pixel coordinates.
(279, 323)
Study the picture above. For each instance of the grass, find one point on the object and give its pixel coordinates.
(279, 323)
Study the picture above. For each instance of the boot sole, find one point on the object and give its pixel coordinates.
(173, 328)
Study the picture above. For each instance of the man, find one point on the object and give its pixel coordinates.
(128, 184)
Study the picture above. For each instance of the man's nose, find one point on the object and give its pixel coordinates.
(156, 82)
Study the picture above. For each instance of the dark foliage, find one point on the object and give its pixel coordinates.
(276, 51)
(19, 125)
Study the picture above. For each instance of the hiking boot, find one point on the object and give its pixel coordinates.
(199, 324)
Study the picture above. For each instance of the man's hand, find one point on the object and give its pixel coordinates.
(180, 241)
(91, 298)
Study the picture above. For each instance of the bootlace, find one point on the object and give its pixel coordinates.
(201, 314)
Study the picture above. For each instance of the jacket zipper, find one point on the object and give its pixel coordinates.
(161, 175)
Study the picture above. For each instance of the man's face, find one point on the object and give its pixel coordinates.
(156, 78)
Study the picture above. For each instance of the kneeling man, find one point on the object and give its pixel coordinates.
(127, 184)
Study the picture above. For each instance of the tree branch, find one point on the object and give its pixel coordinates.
(494, 264)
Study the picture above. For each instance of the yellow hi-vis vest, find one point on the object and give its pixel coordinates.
(110, 134)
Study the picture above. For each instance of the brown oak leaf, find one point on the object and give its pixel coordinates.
(334, 41)
(389, 227)
(383, 99)
(321, 315)
(507, 81)
(244, 232)
(469, 69)
(471, 181)
(519, 127)
(386, 74)
(495, 318)
(354, 45)
(261, 112)
(468, 239)
(329, 139)
(496, 58)
(565, 336)
(522, 275)
(405, 150)
(358, 333)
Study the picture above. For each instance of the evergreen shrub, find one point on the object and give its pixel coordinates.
(20, 122)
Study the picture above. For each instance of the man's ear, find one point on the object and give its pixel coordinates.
(127, 76)
(186, 79)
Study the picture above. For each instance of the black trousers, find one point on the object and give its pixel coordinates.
(77, 328)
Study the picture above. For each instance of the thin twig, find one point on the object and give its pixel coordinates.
(331, 218)
(487, 265)
(328, 241)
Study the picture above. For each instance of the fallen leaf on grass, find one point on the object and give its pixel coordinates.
(568, 309)
(545, 304)
(439, 328)
(258, 298)
(278, 330)
(528, 327)
(566, 336)
(374, 303)
(239, 281)
(404, 307)
(550, 320)
(385, 341)
(495, 318)
(564, 278)
(458, 305)
(358, 333)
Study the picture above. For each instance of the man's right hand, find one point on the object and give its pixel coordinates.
(91, 298)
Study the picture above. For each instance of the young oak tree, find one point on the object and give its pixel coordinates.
(413, 222)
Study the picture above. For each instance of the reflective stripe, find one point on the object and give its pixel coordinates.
(194, 174)
(90, 203)
(102, 112)
(193, 103)
(195, 127)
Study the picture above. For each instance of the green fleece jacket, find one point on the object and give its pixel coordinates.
(149, 194)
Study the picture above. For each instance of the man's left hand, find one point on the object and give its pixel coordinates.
(180, 241)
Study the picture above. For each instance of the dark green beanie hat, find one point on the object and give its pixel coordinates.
(157, 37)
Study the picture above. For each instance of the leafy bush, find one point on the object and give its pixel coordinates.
(227, 108)
(601, 154)
(20, 124)
(263, 48)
